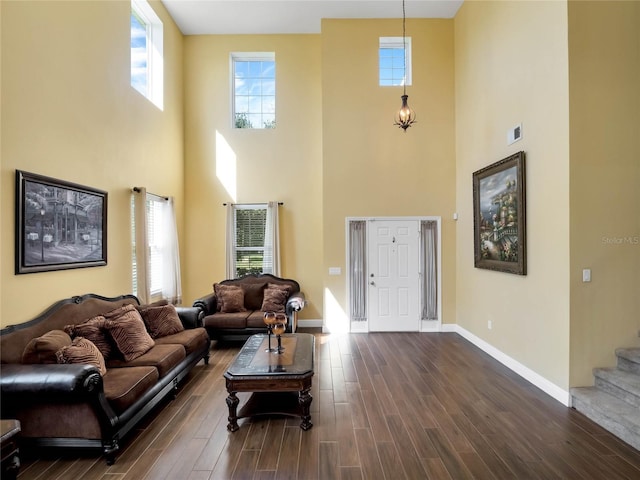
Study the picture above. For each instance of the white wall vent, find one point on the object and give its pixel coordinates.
(514, 134)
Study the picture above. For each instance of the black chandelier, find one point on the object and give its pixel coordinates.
(405, 116)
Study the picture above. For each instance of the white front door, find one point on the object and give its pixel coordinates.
(394, 284)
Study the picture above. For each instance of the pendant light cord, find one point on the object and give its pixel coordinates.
(404, 49)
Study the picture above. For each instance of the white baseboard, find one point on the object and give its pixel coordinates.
(539, 381)
(310, 323)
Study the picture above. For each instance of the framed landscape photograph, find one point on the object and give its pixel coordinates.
(499, 216)
(59, 225)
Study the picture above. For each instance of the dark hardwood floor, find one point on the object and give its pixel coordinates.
(385, 406)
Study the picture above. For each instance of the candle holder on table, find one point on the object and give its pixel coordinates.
(278, 328)
(270, 320)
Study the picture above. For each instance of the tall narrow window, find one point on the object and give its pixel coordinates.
(147, 52)
(156, 261)
(358, 270)
(392, 57)
(429, 268)
(254, 90)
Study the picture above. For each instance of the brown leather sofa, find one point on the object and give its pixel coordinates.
(73, 405)
(249, 319)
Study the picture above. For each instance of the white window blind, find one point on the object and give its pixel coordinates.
(155, 252)
(155, 228)
(250, 228)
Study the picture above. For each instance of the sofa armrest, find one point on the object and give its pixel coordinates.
(191, 317)
(208, 304)
(50, 380)
(295, 302)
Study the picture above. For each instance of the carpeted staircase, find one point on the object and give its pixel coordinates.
(614, 401)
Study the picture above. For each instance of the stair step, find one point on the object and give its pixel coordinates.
(611, 413)
(629, 359)
(619, 383)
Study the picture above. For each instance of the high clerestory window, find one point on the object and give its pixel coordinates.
(254, 90)
(393, 56)
(147, 62)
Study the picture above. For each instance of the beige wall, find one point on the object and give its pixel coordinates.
(282, 164)
(511, 67)
(372, 168)
(604, 73)
(69, 112)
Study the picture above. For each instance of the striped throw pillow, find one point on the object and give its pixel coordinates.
(82, 351)
(161, 321)
(127, 329)
(93, 330)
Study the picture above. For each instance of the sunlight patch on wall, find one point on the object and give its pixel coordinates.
(226, 166)
(335, 318)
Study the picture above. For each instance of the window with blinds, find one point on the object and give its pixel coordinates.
(155, 226)
(250, 227)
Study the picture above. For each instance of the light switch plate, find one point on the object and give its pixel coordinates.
(586, 275)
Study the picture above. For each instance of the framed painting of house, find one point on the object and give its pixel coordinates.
(499, 216)
(59, 225)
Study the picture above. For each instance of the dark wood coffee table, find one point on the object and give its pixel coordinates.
(272, 378)
(9, 432)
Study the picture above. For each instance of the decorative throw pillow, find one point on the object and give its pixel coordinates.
(127, 329)
(161, 321)
(274, 300)
(281, 286)
(43, 349)
(230, 298)
(216, 290)
(94, 331)
(82, 351)
(158, 303)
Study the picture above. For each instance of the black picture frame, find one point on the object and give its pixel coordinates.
(499, 216)
(59, 225)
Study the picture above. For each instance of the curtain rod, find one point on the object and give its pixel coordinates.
(137, 190)
(225, 204)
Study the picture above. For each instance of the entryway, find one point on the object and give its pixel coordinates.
(393, 267)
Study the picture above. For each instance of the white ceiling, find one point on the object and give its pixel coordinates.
(199, 17)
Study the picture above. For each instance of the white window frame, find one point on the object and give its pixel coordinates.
(155, 52)
(248, 57)
(397, 43)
